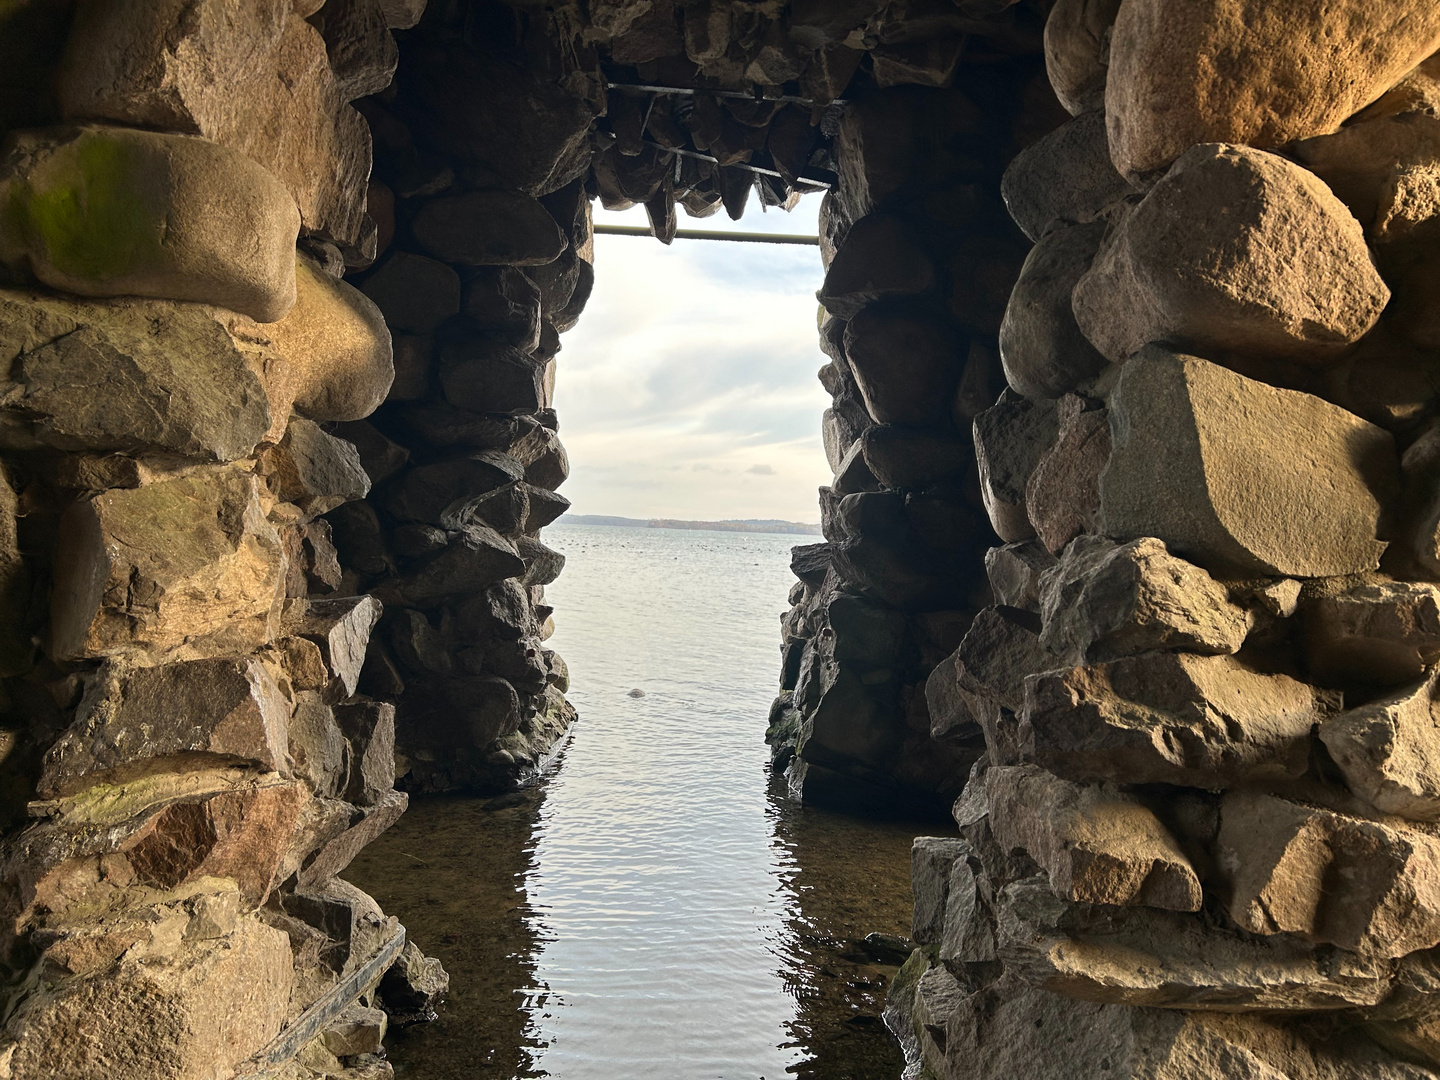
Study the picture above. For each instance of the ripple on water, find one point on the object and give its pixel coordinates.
(655, 909)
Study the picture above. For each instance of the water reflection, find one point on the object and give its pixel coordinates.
(656, 909)
(848, 879)
(455, 870)
(458, 871)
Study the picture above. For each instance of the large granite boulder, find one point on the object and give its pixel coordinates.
(489, 228)
(1238, 250)
(314, 470)
(341, 629)
(517, 124)
(1010, 438)
(111, 211)
(255, 79)
(1228, 471)
(1015, 572)
(1251, 71)
(1294, 868)
(331, 356)
(1383, 169)
(1067, 176)
(1170, 718)
(880, 258)
(414, 293)
(910, 458)
(190, 388)
(1077, 51)
(1001, 650)
(1041, 347)
(479, 557)
(445, 493)
(992, 1036)
(906, 365)
(505, 305)
(489, 377)
(167, 568)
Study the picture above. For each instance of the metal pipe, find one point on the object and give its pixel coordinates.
(740, 95)
(697, 234)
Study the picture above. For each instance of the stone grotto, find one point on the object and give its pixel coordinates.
(1131, 555)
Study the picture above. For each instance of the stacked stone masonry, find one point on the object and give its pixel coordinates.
(1197, 835)
(1132, 552)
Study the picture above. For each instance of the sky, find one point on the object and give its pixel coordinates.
(688, 388)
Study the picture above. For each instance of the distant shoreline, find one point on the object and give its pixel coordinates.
(748, 525)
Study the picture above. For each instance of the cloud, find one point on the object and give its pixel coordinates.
(689, 363)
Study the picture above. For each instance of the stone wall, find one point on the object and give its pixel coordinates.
(1200, 840)
(1131, 552)
(189, 756)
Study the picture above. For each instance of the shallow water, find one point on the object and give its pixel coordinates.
(656, 908)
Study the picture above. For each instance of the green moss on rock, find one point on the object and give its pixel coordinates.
(91, 218)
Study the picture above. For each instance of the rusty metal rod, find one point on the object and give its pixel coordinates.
(741, 95)
(698, 234)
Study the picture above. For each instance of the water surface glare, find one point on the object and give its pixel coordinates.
(655, 909)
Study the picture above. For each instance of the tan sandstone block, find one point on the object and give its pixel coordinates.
(196, 1013)
(1103, 601)
(1384, 633)
(1097, 844)
(1368, 887)
(1170, 718)
(1141, 956)
(1389, 751)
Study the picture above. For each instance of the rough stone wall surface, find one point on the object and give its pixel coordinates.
(189, 756)
(1131, 552)
(1197, 840)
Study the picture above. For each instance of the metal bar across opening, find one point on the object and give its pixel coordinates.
(697, 234)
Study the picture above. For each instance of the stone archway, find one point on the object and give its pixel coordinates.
(1130, 286)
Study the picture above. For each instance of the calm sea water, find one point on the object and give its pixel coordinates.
(656, 908)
